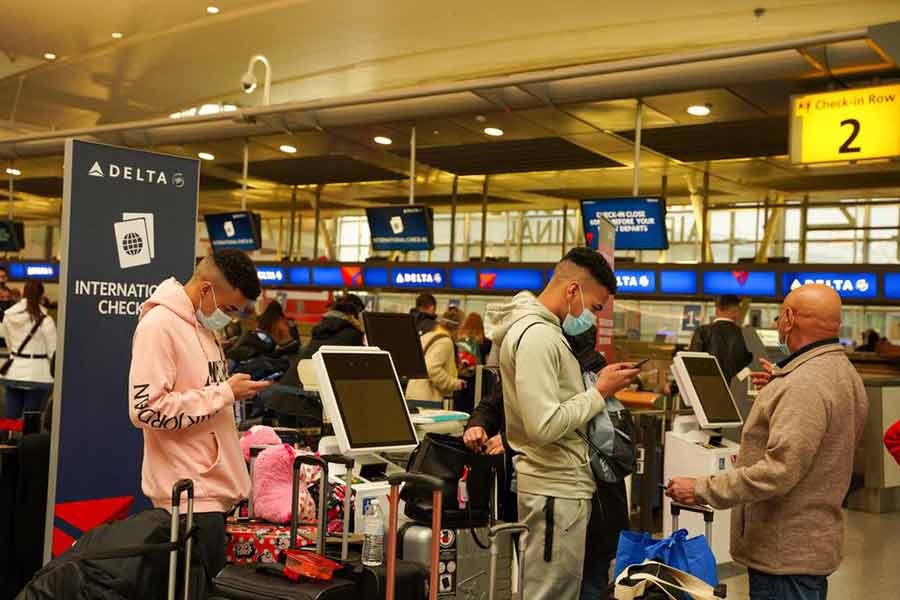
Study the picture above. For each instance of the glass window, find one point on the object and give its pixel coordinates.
(792, 224)
(883, 252)
(830, 252)
(721, 252)
(747, 225)
(720, 225)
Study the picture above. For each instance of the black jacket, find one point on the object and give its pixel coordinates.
(333, 330)
(725, 341)
(425, 322)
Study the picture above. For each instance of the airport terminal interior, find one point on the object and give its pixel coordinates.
(369, 153)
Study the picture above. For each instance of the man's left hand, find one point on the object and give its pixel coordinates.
(681, 489)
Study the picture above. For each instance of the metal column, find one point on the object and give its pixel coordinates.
(318, 222)
(638, 125)
(293, 222)
(412, 165)
(484, 197)
(804, 210)
(245, 172)
(706, 248)
(453, 199)
(12, 191)
(565, 227)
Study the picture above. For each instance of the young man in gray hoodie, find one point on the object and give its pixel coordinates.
(546, 403)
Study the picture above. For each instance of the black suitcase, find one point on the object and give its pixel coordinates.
(247, 582)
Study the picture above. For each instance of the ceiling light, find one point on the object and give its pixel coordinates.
(13, 172)
(117, 35)
(699, 110)
(49, 56)
(493, 131)
(287, 149)
(213, 10)
(206, 156)
(384, 141)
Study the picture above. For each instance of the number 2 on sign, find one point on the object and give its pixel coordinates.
(846, 147)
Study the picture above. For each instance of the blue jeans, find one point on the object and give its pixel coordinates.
(787, 587)
(19, 400)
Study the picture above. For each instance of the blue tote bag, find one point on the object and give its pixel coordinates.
(691, 555)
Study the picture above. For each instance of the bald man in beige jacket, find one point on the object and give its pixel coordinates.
(796, 458)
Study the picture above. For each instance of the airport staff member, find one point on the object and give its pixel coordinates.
(796, 458)
(546, 403)
(723, 338)
(181, 396)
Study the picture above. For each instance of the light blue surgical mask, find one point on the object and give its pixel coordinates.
(216, 321)
(577, 325)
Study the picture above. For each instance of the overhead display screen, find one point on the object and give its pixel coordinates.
(892, 286)
(271, 275)
(640, 222)
(847, 285)
(415, 277)
(636, 282)
(299, 275)
(740, 283)
(376, 276)
(235, 231)
(401, 228)
(464, 278)
(510, 280)
(678, 282)
(338, 276)
(12, 236)
(42, 271)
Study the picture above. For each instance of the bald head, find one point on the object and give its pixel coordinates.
(811, 313)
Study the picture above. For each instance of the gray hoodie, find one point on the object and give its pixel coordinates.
(544, 399)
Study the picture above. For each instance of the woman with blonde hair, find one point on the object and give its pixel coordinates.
(439, 346)
(472, 348)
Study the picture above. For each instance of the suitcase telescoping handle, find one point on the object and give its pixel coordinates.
(436, 486)
(348, 463)
(707, 512)
(493, 534)
(316, 461)
(181, 486)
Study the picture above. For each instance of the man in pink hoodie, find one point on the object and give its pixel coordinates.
(182, 397)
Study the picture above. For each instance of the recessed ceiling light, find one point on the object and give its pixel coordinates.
(206, 156)
(49, 56)
(117, 35)
(384, 141)
(699, 110)
(287, 149)
(493, 131)
(13, 172)
(213, 10)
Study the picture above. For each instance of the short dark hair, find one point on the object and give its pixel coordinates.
(728, 302)
(239, 271)
(345, 304)
(593, 262)
(426, 301)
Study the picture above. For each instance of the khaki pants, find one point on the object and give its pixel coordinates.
(560, 578)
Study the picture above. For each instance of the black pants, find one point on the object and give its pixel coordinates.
(209, 545)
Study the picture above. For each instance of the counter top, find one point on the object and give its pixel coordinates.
(876, 381)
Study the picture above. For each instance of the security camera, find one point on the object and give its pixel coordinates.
(248, 82)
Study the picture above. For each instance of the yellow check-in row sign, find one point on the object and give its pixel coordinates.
(853, 124)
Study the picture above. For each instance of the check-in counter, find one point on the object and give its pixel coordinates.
(880, 473)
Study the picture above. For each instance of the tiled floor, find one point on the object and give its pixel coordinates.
(871, 567)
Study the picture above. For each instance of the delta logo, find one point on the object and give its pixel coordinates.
(741, 277)
(270, 275)
(352, 276)
(419, 278)
(837, 284)
(129, 173)
(633, 281)
(486, 281)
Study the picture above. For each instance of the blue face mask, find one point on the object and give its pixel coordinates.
(216, 321)
(577, 325)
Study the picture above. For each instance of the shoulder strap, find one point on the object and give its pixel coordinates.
(431, 342)
(30, 335)
(524, 331)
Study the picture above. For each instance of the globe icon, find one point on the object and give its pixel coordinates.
(132, 244)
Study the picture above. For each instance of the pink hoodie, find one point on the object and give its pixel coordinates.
(179, 398)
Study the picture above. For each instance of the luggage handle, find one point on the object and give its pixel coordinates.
(495, 532)
(348, 462)
(310, 459)
(707, 512)
(181, 486)
(436, 486)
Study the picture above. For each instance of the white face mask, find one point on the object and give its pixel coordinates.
(218, 320)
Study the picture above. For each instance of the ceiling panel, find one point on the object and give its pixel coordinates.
(461, 199)
(724, 106)
(616, 115)
(512, 156)
(50, 187)
(315, 169)
(716, 141)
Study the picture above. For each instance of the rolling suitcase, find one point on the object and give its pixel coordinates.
(247, 582)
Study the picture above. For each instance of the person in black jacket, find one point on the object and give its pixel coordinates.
(723, 338)
(485, 431)
(339, 326)
(425, 313)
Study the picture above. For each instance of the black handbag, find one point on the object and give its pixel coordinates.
(447, 458)
(4, 368)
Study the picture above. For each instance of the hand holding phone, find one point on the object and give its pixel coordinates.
(640, 363)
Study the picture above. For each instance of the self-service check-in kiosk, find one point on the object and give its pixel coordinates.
(695, 446)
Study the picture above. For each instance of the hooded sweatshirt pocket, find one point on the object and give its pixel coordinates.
(215, 457)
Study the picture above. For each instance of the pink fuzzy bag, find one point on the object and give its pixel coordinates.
(272, 482)
(258, 435)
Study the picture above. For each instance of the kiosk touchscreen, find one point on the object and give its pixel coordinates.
(396, 333)
(361, 394)
(703, 386)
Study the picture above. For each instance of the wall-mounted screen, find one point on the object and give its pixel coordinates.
(640, 222)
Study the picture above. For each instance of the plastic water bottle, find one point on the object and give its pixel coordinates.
(373, 536)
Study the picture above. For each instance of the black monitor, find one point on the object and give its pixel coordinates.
(396, 334)
(240, 230)
(401, 228)
(12, 236)
(703, 386)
